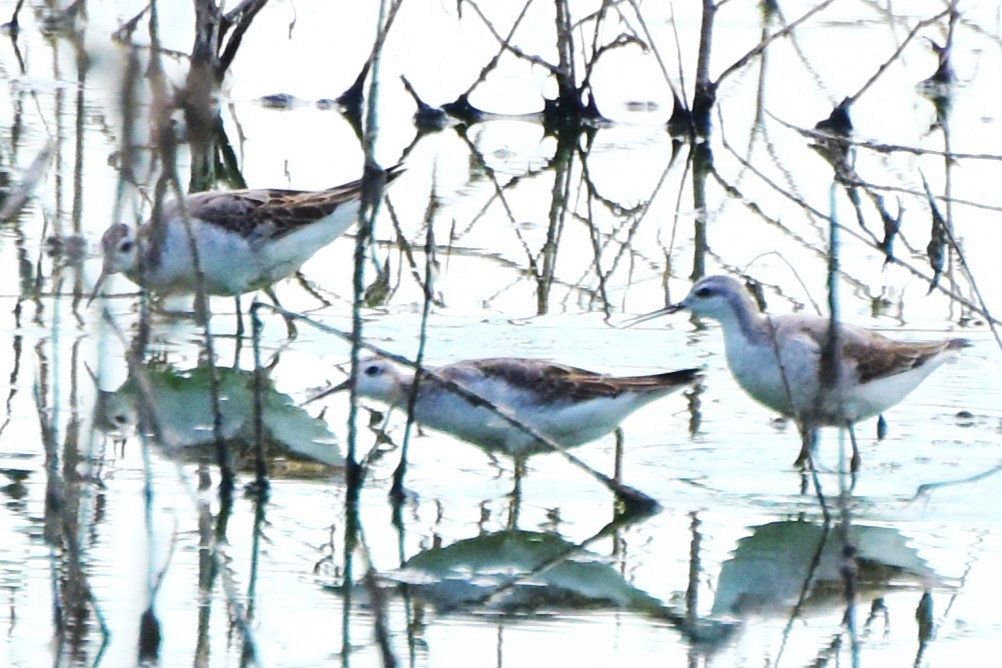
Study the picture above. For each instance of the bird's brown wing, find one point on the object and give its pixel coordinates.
(554, 382)
(270, 213)
(871, 354)
(891, 357)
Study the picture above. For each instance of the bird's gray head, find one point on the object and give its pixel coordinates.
(378, 378)
(116, 415)
(719, 297)
(119, 252)
(119, 248)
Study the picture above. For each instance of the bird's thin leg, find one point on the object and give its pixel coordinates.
(817, 485)
(290, 326)
(881, 427)
(398, 493)
(516, 494)
(240, 318)
(519, 474)
(202, 310)
(808, 442)
(856, 460)
(617, 474)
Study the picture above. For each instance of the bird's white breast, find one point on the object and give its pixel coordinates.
(757, 370)
(226, 261)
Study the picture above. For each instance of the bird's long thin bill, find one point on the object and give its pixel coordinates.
(97, 287)
(337, 388)
(674, 308)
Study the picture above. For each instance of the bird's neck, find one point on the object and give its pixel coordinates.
(745, 321)
(400, 395)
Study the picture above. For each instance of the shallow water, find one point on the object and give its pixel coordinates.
(737, 544)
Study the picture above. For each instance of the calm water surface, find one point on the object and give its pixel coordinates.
(737, 543)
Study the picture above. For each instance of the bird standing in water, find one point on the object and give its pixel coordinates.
(777, 360)
(564, 404)
(245, 240)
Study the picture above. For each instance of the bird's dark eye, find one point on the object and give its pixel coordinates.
(126, 246)
(703, 293)
(120, 419)
(371, 370)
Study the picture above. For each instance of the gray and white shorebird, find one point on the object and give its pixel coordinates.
(246, 240)
(568, 405)
(777, 360)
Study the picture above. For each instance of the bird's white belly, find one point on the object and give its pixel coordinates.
(794, 390)
(878, 395)
(566, 424)
(475, 424)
